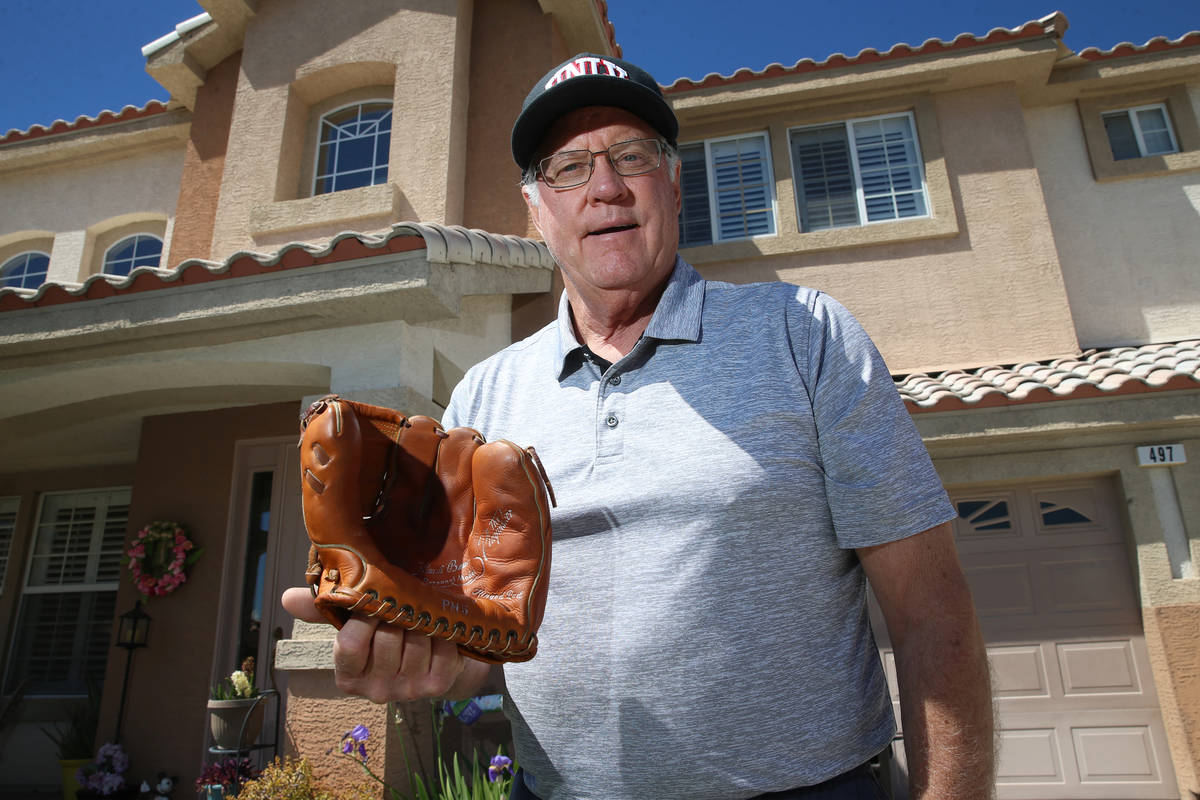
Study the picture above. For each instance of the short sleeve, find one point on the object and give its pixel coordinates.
(879, 480)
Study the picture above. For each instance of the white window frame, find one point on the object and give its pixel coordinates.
(710, 173)
(1131, 113)
(27, 254)
(104, 262)
(856, 176)
(316, 154)
(93, 587)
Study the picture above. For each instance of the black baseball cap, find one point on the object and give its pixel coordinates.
(589, 80)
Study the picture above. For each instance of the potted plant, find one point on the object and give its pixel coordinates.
(75, 741)
(225, 776)
(236, 710)
(105, 776)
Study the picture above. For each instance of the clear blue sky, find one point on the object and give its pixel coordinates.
(66, 58)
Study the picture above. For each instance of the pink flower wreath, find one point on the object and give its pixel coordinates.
(160, 554)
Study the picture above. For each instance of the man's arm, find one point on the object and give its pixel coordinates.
(386, 662)
(941, 665)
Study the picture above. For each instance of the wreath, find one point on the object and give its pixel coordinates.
(159, 558)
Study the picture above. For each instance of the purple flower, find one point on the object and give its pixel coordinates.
(499, 766)
(355, 739)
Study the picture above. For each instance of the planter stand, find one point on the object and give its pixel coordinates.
(236, 725)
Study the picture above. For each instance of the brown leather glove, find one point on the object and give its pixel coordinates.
(427, 528)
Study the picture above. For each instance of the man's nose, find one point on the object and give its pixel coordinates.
(606, 183)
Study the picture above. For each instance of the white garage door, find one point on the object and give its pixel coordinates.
(1049, 568)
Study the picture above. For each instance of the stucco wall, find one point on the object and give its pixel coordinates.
(991, 294)
(1129, 249)
(65, 199)
(297, 55)
(184, 477)
(501, 73)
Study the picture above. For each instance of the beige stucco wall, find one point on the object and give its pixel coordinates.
(297, 56)
(1129, 249)
(990, 293)
(82, 198)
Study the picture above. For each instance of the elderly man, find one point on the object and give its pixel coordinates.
(732, 463)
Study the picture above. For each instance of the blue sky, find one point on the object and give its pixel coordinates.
(64, 58)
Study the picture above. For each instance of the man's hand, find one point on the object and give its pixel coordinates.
(387, 662)
(941, 665)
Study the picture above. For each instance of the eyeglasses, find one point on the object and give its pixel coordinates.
(574, 167)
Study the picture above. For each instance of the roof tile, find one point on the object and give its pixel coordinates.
(1094, 373)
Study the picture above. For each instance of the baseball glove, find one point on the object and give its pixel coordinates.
(431, 529)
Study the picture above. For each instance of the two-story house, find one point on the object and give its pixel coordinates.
(327, 203)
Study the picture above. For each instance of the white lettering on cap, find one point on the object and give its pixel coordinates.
(586, 65)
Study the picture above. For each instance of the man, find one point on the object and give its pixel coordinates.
(729, 461)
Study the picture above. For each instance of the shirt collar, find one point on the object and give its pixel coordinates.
(676, 317)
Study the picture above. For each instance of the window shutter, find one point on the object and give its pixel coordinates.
(825, 179)
(1121, 137)
(695, 217)
(67, 607)
(743, 193)
(8, 523)
(889, 169)
(1156, 133)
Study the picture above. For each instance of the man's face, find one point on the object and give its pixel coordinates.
(614, 232)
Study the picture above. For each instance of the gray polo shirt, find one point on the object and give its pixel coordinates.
(705, 633)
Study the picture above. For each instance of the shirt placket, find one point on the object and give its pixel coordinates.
(610, 418)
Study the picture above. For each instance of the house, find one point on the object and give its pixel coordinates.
(327, 204)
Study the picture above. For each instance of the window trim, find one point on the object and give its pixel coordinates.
(123, 240)
(316, 149)
(710, 177)
(859, 193)
(1185, 130)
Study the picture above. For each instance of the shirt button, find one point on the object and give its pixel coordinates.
(615, 380)
(611, 421)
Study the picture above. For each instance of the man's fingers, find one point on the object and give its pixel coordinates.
(383, 662)
(298, 601)
(352, 648)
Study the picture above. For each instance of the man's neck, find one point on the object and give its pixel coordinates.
(611, 324)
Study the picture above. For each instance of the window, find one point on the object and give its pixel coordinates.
(25, 271)
(352, 147)
(67, 604)
(140, 250)
(1138, 132)
(857, 172)
(728, 190)
(8, 523)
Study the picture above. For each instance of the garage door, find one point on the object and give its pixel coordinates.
(1049, 568)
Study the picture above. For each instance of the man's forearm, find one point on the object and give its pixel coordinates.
(946, 706)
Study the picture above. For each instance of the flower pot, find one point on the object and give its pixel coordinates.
(214, 791)
(228, 718)
(70, 784)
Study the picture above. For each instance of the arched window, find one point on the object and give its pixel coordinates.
(139, 250)
(25, 271)
(352, 149)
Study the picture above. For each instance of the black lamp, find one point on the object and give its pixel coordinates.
(132, 632)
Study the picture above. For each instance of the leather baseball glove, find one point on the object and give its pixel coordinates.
(431, 529)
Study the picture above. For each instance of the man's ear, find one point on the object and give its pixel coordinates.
(535, 211)
(678, 186)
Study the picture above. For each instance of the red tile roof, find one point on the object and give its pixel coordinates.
(1094, 373)
(1051, 25)
(1156, 45)
(106, 117)
(444, 244)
